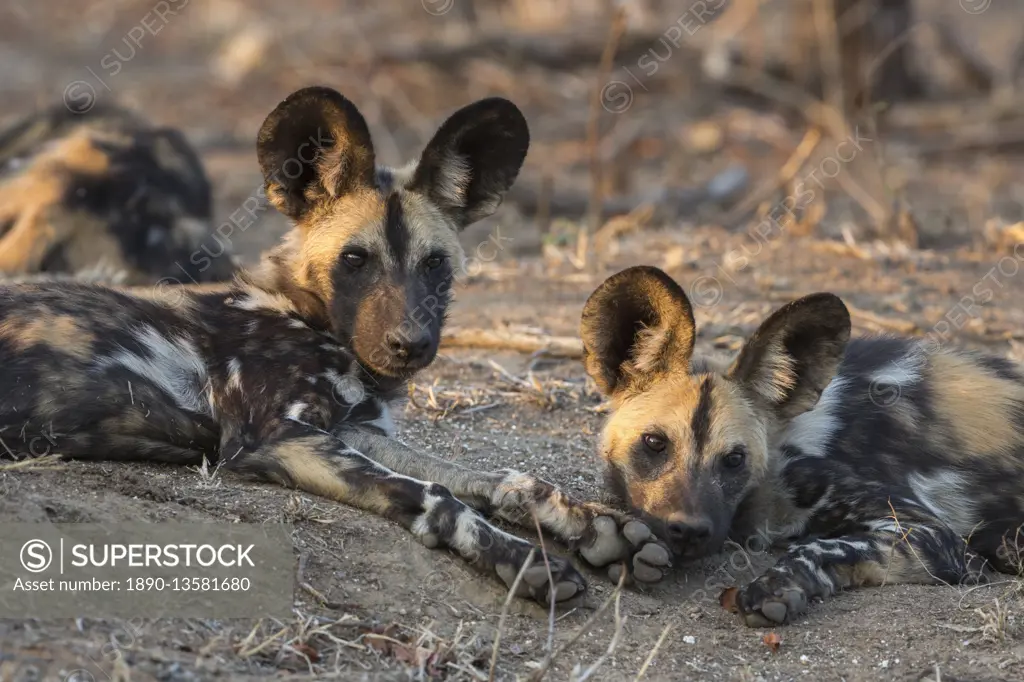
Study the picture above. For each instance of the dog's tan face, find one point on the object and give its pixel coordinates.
(379, 247)
(687, 441)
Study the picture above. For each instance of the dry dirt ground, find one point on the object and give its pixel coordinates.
(220, 66)
(480, 408)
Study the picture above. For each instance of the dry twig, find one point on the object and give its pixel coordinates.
(615, 31)
(555, 346)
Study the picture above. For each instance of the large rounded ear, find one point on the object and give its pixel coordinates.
(473, 159)
(314, 146)
(635, 326)
(794, 354)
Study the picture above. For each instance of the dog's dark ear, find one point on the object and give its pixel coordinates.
(313, 147)
(636, 325)
(473, 159)
(794, 354)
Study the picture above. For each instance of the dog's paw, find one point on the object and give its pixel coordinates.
(771, 600)
(616, 538)
(537, 579)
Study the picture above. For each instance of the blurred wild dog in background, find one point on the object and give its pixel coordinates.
(873, 459)
(103, 195)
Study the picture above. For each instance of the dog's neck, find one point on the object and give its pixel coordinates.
(276, 274)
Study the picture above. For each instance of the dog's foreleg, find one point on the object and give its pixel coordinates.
(893, 552)
(603, 536)
(323, 465)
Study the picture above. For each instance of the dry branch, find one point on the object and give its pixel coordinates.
(669, 201)
(594, 206)
(786, 174)
(44, 463)
(878, 322)
(568, 50)
(555, 346)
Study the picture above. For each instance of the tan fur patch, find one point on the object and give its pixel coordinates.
(863, 574)
(775, 377)
(63, 333)
(978, 407)
(900, 565)
(27, 197)
(313, 473)
(177, 296)
(355, 219)
(309, 471)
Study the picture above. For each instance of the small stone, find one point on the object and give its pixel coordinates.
(689, 639)
(805, 659)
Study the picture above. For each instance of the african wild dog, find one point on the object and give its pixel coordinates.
(288, 373)
(104, 191)
(872, 459)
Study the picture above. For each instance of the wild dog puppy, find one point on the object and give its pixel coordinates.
(875, 459)
(106, 190)
(289, 373)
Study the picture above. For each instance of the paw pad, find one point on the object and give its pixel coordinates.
(624, 539)
(765, 604)
(536, 585)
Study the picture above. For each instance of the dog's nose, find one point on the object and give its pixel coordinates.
(693, 532)
(408, 347)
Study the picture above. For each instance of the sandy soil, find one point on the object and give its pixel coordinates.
(474, 406)
(374, 574)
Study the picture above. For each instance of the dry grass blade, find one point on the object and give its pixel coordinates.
(786, 174)
(546, 664)
(612, 645)
(551, 582)
(504, 613)
(44, 463)
(653, 653)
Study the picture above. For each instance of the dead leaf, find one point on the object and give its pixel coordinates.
(309, 652)
(378, 643)
(772, 641)
(728, 599)
(406, 654)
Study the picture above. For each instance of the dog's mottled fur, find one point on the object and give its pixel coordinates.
(106, 191)
(289, 373)
(874, 459)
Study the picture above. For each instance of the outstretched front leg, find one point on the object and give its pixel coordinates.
(601, 535)
(891, 551)
(319, 463)
(24, 247)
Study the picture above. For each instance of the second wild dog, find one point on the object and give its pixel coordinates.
(873, 460)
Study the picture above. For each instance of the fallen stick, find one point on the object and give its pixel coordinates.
(555, 346)
(870, 319)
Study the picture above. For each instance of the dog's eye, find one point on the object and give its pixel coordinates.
(654, 442)
(355, 259)
(434, 262)
(735, 458)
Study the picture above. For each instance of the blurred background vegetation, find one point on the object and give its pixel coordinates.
(650, 112)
